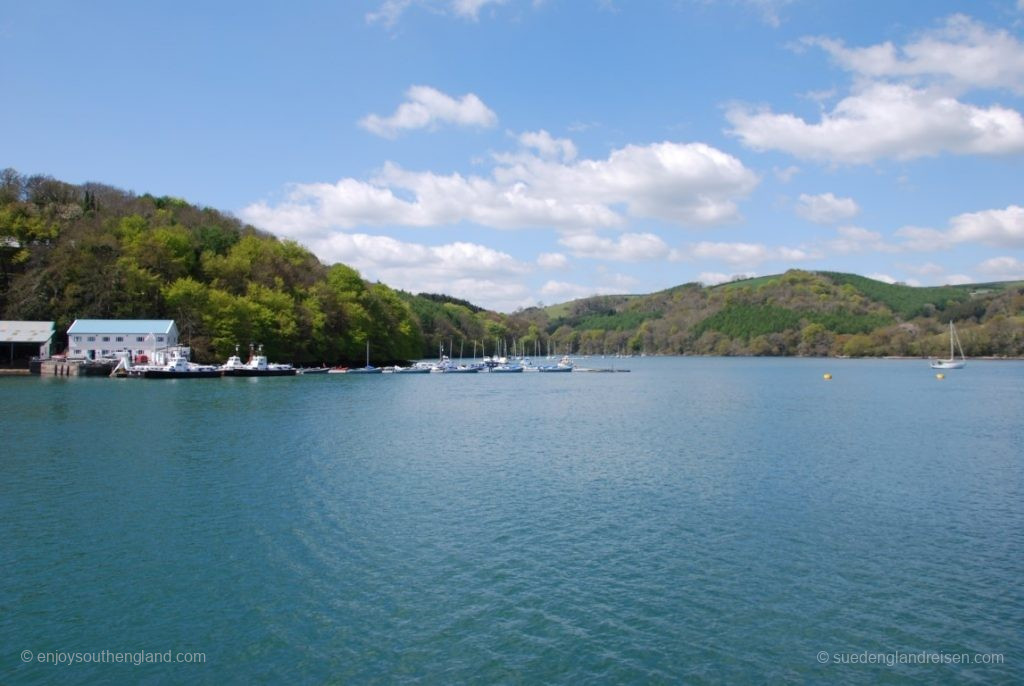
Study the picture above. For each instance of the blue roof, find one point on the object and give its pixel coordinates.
(163, 326)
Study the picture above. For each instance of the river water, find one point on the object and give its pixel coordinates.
(696, 520)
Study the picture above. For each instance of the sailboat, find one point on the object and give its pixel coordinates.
(952, 362)
(369, 368)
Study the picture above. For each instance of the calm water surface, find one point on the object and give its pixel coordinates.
(696, 520)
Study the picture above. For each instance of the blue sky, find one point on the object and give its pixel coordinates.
(520, 151)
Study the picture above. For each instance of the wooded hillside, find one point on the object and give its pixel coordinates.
(93, 251)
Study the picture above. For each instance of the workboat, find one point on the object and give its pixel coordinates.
(177, 367)
(256, 366)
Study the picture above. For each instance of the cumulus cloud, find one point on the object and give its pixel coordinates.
(629, 247)
(1003, 268)
(744, 254)
(552, 260)
(785, 174)
(997, 228)
(855, 239)
(690, 184)
(885, 278)
(390, 11)
(715, 278)
(548, 146)
(826, 208)
(926, 269)
(564, 290)
(428, 107)
(883, 120)
(475, 272)
(904, 103)
(470, 9)
(962, 52)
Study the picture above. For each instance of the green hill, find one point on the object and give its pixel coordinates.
(796, 313)
(92, 251)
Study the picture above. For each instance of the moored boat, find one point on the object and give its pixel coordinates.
(369, 368)
(257, 365)
(508, 368)
(176, 367)
(952, 362)
(564, 365)
(418, 368)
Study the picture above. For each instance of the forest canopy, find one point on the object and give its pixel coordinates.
(93, 251)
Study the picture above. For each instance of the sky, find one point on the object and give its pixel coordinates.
(524, 152)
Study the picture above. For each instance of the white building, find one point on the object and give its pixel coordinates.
(96, 338)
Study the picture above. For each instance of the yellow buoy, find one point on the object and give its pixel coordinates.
(940, 377)
(828, 377)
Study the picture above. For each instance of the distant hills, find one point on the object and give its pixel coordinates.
(796, 313)
(92, 251)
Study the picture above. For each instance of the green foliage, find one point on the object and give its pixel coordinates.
(906, 301)
(746, 321)
(93, 251)
(615, 321)
(70, 252)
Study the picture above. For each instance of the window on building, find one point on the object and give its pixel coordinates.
(76, 352)
(78, 339)
(119, 339)
(140, 339)
(106, 339)
(160, 339)
(92, 339)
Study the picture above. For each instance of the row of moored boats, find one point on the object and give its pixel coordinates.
(446, 366)
(174, 364)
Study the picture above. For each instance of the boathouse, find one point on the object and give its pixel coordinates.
(94, 339)
(21, 341)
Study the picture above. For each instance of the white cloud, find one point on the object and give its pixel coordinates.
(855, 239)
(563, 290)
(475, 272)
(629, 247)
(744, 254)
(957, 279)
(547, 146)
(429, 107)
(881, 120)
(1003, 268)
(552, 260)
(715, 278)
(470, 9)
(785, 175)
(926, 269)
(826, 208)
(768, 9)
(962, 52)
(390, 11)
(689, 184)
(885, 278)
(998, 228)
